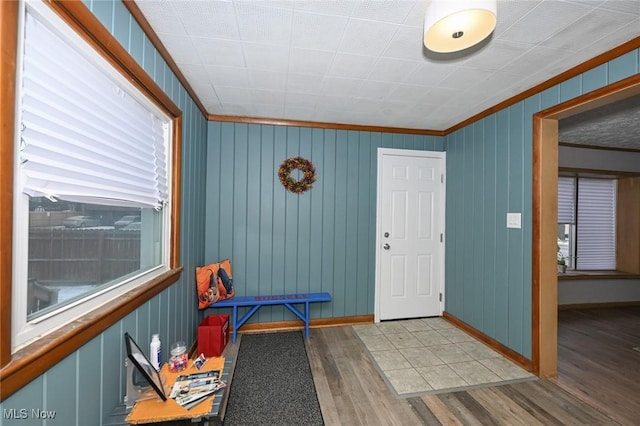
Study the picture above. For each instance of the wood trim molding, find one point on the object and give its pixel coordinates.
(604, 148)
(36, 358)
(157, 43)
(297, 325)
(176, 198)
(8, 47)
(489, 341)
(598, 305)
(544, 287)
(26, 364)
(320, 125)
(570, 73)
(545, 175)
(574, 171)
(85, 23)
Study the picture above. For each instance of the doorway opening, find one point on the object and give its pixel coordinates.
(545, 215)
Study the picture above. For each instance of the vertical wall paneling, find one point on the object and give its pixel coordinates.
(85, 387)
(364, 296)
(303, 244)
(531, 106)
(595, 78)
(623, 66)
(59, 385)
(502, 248)
(516, 282)
(453, 292)
(491, 262)
(478, 223)
(87, 377)
(268, 177)
(468, 280)
(550, 97)
(571, 88)
(506, 163)
(33, 395)
(319, 240)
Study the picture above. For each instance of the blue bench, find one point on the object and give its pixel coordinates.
(255, 302)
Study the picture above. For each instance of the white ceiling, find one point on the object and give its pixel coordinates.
(362, 62)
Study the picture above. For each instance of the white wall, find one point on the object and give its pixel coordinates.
(598, 159)
(577, 292)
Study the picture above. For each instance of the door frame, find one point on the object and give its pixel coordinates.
(544, 322)
(442, 156)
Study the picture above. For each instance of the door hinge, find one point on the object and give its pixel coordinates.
(442, 178)
(441, 237)
(441, 297)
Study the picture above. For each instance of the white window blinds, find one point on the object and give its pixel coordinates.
(596, 224)
(566, 200)
(84, 138)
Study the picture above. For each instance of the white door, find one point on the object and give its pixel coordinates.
(410, 240)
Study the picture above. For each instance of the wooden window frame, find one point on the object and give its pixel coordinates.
(26, 364)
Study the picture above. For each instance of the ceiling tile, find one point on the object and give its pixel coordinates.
(267, 97)
(406, 44)
(162, 19)
(219, 52)
(387, 69)
(266, 57)
(351, 66)
(383, 11)
(363, 60)
(626, 6)
(264, 24)
(306, 61)
(370, 89)
(317, 31)
(367, 37)
(339, 86)
(464, 78)
(327, 7)
(232, 95)
(299, 112)
(207, 19)
(501, 53)
(183, 48)
(428, 74)
(267, 80)
(544, 20)
(228, 76)
(304, 83)
(595, 25)
(407, 93)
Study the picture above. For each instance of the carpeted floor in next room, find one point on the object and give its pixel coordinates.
(430, 355)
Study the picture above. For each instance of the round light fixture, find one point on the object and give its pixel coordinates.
(453, 25)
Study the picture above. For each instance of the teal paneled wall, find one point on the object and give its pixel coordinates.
(281, 242)
(489, 173)
(85, 387)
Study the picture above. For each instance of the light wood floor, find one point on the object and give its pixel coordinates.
(595, 363)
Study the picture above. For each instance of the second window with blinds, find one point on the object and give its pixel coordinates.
(587, 223)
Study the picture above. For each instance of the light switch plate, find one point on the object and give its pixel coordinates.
(514, 220)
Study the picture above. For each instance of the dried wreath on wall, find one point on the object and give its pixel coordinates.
(305, 166)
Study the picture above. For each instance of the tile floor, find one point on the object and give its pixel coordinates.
(430, 355)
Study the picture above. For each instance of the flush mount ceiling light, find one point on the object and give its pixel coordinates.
(453, 25)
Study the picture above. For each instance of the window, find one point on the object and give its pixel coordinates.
(92, 171)
(587, 222)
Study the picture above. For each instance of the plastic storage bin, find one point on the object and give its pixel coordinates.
(213, 335)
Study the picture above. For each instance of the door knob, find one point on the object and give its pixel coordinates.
(386, 246)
